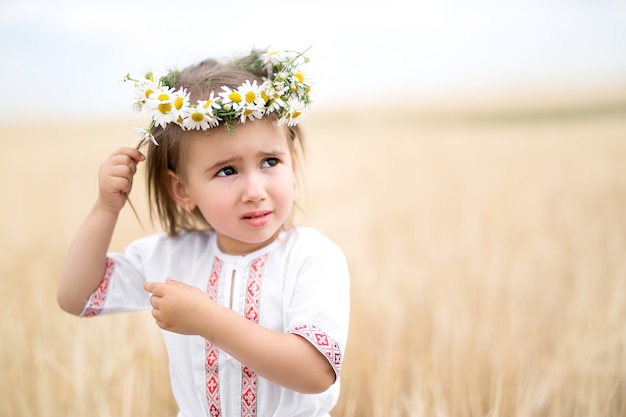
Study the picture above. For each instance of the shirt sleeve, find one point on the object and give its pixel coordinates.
(320, 306)
(121, 288)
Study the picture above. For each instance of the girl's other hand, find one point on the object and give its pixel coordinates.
(180, 308)
(115, 178)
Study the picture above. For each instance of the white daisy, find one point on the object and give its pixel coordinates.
(201, 116)
(145, 135)
(160, 105)
(273, 57)
(299, 83)
(211, 104)
(273, 100)
(180, 105)
(144, 88)
(232, 98)
(281, 86)
(249, 113)
(253, 102)
(198, 120)
(251, 94)
(293, 116)
(267, 94)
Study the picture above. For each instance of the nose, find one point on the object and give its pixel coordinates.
(253, 188)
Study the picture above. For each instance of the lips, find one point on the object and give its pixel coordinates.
(257, 218)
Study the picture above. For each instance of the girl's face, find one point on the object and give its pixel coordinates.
(243, 183)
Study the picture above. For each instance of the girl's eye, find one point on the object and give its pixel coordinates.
(225, 172)
(269, 162)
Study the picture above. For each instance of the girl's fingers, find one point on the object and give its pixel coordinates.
(154, 301)
(154, 287)
(124, 171)
(132, 153)
(120, 184)
(116, 177)
(120, 165)
(122, 160)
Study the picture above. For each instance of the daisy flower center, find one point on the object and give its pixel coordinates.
(165, 108)
(235, 97)
(178, 103)
(250, 96)
(197, 117)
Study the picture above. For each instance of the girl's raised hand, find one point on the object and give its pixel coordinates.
(115, 178)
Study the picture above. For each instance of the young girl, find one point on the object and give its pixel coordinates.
(254, 312)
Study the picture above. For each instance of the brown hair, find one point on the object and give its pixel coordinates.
(199, 80)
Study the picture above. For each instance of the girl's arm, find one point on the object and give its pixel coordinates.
(85, 262)
(283, 358)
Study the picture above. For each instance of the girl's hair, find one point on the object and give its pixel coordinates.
(199, 80)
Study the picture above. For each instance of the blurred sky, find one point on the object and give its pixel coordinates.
(64, 59)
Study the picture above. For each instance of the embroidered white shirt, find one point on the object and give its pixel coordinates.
(299, 283)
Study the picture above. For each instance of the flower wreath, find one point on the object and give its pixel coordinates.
(283, 91)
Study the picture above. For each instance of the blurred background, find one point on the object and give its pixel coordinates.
(468, 156)
(64, 60)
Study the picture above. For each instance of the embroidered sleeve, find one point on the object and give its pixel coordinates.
(322, 342)
(95, 304)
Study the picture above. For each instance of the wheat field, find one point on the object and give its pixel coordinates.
(487, 252)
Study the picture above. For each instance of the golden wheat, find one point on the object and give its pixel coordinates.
(488, 265)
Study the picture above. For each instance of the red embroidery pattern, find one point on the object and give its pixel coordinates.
(212, 353)
(251, 309)
(322, 342)
(96, 302)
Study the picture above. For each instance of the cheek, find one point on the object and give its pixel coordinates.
(202, 193)
(215, 211)
(288, 188)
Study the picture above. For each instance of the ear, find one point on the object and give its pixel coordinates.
(178, 192)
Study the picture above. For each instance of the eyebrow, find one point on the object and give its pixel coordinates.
(230, 161)
(223, 162)
(272, 152)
